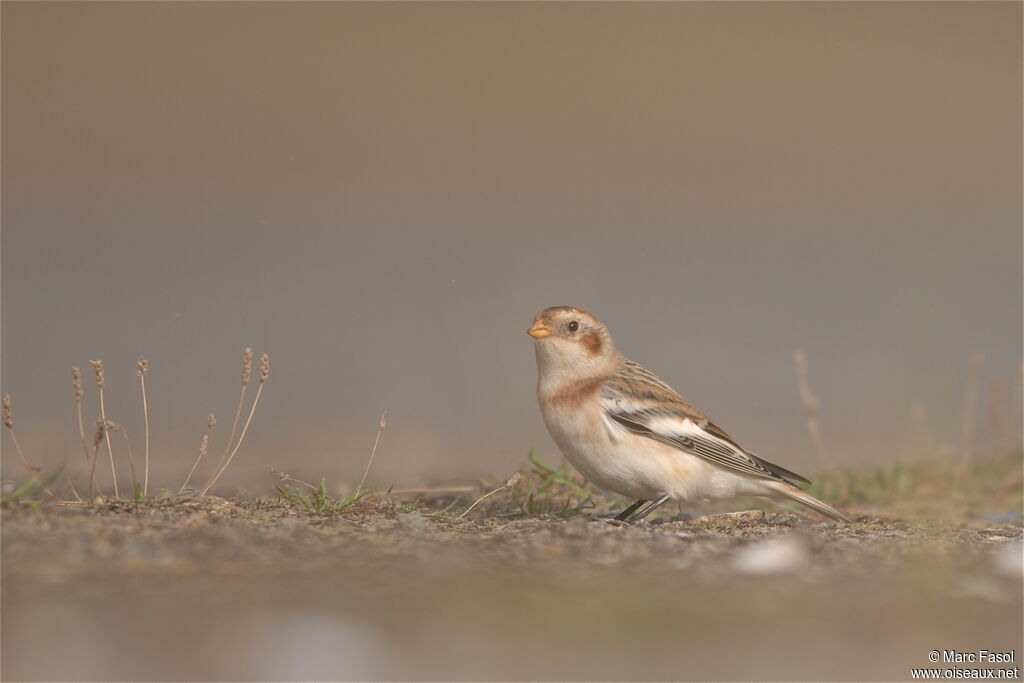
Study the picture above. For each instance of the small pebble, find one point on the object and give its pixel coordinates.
(1010, 560)
(780, 555)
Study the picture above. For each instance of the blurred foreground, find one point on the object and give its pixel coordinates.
(214, 589)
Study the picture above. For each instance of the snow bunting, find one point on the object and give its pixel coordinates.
(628, 432)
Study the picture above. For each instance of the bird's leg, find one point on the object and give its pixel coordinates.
(648, 510)
(621, 517)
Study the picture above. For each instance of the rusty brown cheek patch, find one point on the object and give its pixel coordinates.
(592, 343)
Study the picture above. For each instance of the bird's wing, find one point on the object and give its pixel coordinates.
(641, 403)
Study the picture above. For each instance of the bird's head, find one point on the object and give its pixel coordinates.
(571, 343)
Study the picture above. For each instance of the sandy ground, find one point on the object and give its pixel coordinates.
(217, 589)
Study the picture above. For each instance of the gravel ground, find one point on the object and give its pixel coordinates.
(229, 590)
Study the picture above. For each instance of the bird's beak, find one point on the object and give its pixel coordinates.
(539, 330)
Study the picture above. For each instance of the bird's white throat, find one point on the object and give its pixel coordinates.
(562, 363)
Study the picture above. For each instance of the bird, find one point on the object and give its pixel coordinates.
(630, 433)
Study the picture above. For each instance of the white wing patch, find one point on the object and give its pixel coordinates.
(637, 401)
(643, 418)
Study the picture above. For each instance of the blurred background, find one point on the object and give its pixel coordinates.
(381, 196)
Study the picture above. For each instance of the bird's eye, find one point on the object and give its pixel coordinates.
(573, 326)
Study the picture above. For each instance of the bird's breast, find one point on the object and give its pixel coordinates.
(591, 445)
(620, 461)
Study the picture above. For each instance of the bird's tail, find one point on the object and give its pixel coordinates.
(807, 499)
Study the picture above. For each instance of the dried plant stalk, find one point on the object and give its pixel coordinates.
(264, 375)
(380, 430)
(74, 491)
(811, 405)
(507, 485)
(97, 366)
(76, 389)
(433, 491)
(77, 392)
(246, 374)
(287, 478)
(9, 424)
(97, 439)
(116, 427)
(204, 446)
(141, 372)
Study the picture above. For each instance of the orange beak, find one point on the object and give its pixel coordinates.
(539, 330)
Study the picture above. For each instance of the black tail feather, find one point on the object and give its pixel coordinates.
(791, 477)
